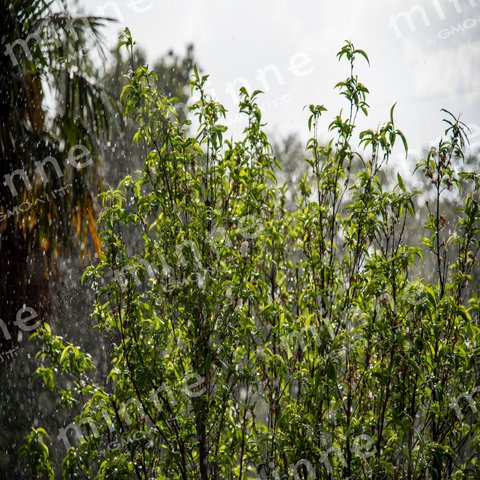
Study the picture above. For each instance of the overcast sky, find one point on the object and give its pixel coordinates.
(424, 54)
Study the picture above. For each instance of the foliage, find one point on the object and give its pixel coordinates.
(123, 156)
(249, 340)
(45, 53)
(37, 450)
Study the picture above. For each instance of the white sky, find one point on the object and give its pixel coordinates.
(437, 65)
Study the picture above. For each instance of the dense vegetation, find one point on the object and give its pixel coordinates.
(253, 337)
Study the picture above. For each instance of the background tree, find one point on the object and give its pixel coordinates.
(51, 110)
(43, 49)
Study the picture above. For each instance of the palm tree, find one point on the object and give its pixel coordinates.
(46, 185)
(53, 116)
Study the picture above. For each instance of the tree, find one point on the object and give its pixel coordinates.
(48, 172)
(47, 188)
(248, 340)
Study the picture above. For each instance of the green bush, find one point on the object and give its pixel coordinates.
(251, 341)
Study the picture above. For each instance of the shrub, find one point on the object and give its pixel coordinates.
(248, 340)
